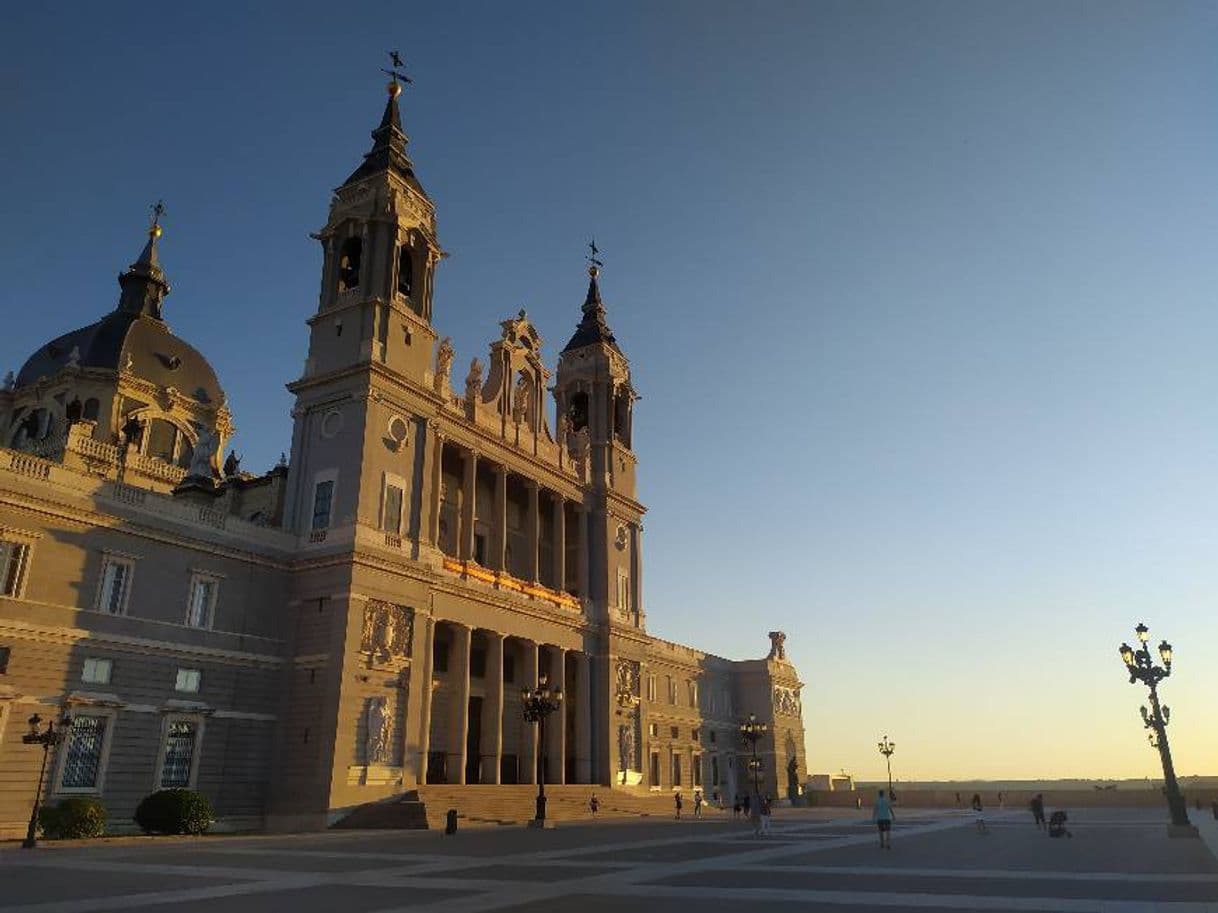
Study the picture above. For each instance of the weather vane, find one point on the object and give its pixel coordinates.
(158, 210)
(396, 63)
(592, 259)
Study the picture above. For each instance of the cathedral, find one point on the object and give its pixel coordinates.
(357, 623)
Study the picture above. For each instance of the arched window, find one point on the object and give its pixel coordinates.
(349, 258)
(91, 410)
(162, 439)
(621, 416)
(579, 411)
(405, 271)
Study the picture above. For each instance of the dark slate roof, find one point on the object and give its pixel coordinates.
(157, 355)
(592, 328)
(388, 151)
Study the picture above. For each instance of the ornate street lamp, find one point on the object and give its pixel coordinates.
(537, 704)
(1142, 668)
(48, 738)
(752, 732)
(886, 749)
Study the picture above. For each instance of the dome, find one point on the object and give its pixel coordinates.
(134, 341)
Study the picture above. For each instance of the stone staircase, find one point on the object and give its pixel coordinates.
(481, 805)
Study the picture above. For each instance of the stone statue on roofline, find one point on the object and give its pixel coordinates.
(444, 365)
(778, 649)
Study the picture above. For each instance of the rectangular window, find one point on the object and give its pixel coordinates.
(714, 770)
(509, 667)
(323, 496)
(674, 732)
(712, 737)
(5, 652)
(477, 662)
(13, 557)
(696, 735)
(695, 766)
(188, 680)
(392, 522)
(115, 585)
(653, 770)
(201, 603)
(653, 730)
(179, 753)
(623, 591)
(676, 770)
(672, 690)
(83, 752)
(480, 549)
(651, 687)
(96, 671)
(439, 655)
(693, 694)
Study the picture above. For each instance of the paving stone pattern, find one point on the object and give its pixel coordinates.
(1118, 861)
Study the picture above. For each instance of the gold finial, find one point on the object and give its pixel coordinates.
(394, 88)
(158, 210)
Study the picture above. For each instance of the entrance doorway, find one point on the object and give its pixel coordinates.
(473, 741)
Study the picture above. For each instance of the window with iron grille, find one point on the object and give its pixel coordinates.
(201, 604)
(179, 752)
(82, 758)
(115, 585)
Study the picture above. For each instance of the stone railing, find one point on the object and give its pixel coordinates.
(29, 465)
(471, 570)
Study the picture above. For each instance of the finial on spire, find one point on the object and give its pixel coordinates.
(594, 264)
(396, 65)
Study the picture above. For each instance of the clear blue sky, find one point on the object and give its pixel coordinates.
(920, 298)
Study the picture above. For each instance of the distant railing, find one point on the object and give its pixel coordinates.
(29, 465)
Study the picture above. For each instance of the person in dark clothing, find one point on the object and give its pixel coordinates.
(679, 802)
(1038, 810)
(748, 805)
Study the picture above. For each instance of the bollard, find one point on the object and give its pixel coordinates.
(450, 821)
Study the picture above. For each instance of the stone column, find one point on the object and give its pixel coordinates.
(436, 480)
(461, 643)
(556, 725)
(582, 553)
(583, 720)
(534, 529)
(469, 496)
(426, 693)
(560, 544)
(528, 731)
(499, 537)
(492, 711)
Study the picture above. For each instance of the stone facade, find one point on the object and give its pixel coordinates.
(359, 620)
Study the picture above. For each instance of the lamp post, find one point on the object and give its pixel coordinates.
(1141, 667)
(752, 732)
(886, 749)
(47, 738)
(537, 704)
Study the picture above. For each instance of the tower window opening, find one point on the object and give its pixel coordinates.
(91, 409)
(579, 411)
(405, 271)
(621, 417)
(349, 264)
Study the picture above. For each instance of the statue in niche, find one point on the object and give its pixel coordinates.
(627, 691)
(521, 398)
(379, 728)
(473, 382)
(74, 357)
(582, 447)
(444, 364)
(204, 452)
(564, 429)
(778, 650)
(232, 465)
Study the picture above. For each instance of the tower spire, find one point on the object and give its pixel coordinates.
(388, 152)
(143, 284)
(593, 328)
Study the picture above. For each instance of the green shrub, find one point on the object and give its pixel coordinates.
(175, 811)
(73, 819)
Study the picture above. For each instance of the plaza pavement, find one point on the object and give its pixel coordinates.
(1118, 861)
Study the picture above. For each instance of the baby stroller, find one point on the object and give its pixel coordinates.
(1057, 825)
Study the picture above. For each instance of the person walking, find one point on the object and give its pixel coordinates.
(883, 817)
(678, 801)
(1002, 803)
(979, 813)
(1038, 810)
(594, 805)
(697, 804)
(753, 809)
(766, 807)
(748, 806)
(736, 809)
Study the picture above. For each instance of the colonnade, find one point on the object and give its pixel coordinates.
(472, 730)
(493, 553)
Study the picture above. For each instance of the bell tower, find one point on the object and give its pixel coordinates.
(367, 381)
(379, 257)
(595, 417)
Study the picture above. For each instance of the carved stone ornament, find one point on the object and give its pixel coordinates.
(620, 541)
(786, 701)
(388, 631)
(444, 364)
(628, 742)
(203, 457)
(521, 399)
(778, 648)
(379, 725)
(473, 382)
(627, 684)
